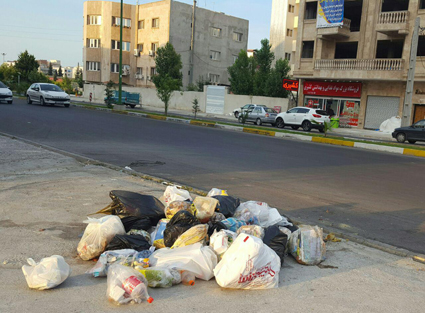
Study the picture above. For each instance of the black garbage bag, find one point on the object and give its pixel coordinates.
(276, 240)
(179, 223)
(127, 203)
(136, 242)
(134, 222)
(215, 226)
(227, 205)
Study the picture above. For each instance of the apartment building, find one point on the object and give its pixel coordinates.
(217, 41)
(359, 69)
(283, 29)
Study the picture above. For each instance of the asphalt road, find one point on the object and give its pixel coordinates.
(376, 195)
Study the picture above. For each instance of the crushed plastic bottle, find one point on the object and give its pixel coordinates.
(188, 278)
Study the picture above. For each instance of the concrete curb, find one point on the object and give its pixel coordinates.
(323, 140)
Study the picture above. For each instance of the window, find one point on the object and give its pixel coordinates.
(353, 11)
(308, 49)
(139, 71)
(141, 24)
(94, 20)
(289, 32)
(153, 71)
(154, 46)
(92, 66)
(389, 49)
(115, 68)
(395, 5)
(216, 32)
(421, 46)
(346, 50)
(140, 47)
(93, 43)
(294, 110)
(115, 45)
(422, 5)
(215, 55)
(310, 10)
(303, 111)
(235, 57)
(155, 22)
(214, 78)
(257, 110)
(237, 36)
(116, 22)
(291, 8)
(288, 56)
(125, 46)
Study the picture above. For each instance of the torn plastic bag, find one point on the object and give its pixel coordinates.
(221, 241)
(97, 235)
(158, 235)
(182, 221)
(248, 264)
(126, 285)
(48, 273)
(258, 213)
(204, 208)
(253, 230)
(276, 239)
(161, 277)
(127, 203)
(136, 242)
(227, 205)
(233, 224)
(144, 233)
(197, 259)
(192, 235)
(134, 222)
(172, 193)
(217, 192)
(307, 246)
(107, 258)
(176, 206)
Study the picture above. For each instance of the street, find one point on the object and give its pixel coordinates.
(374, 195)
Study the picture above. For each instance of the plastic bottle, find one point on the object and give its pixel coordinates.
(188, 278)
(136, 289)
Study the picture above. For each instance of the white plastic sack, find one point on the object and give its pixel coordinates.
(217, 192)
(258, 213)
(172, 193)
(221, 241)
(47, 274)
(195, 258)
(390, 124)
(248, 264)
(98, 233)
(307, 246)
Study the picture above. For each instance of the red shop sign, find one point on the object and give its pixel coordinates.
(348, 90)
(290, 85)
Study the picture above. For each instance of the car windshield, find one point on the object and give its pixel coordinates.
(50, 88)
(2, 85)
(321, 112)
(268, 110)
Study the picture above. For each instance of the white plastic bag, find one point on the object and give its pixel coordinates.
(48, 273)
(258, 213)
(195, 258)
(248, 264)
(172, 193)
(307, 246)
(98, 233)
(221, 241)
(217, 192)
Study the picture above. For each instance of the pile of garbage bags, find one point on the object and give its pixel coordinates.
(146, 242)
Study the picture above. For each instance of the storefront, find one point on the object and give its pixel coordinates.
(341, 99)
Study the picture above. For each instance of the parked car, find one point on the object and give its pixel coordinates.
(307, 118)
(47, 94)
(246, 107)
(413, 133)
(5, 94)
(260, 115)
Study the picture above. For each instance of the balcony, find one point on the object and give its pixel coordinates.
(392, 23)
(338, 32)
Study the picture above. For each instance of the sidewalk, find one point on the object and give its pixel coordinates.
(46, 196)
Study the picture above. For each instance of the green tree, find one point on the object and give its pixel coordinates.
(241, 74)
(55, 75)
(109, 93)
(168, 78)
(60, 73)
(200, 83)
(66, 84)
(37, 77)
(8, 73)
(195, 106)
(79, 77)
(50, 72)
(273, 86)
(25, 64)
(264, 59)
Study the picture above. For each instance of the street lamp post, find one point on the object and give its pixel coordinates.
(120, 66)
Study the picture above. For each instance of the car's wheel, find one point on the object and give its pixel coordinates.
(66, 105)
(29, 100)
(306, 125)
(280, 123)
(401, 137)
(10, 102)
(236, 114)
(42, 101)
(258, 122)
(132, 106)
(240, 119)
(412, 141)
(295, 127)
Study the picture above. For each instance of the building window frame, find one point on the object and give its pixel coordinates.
(307, 51)
(115, 68)
(155, 22)
(288, 56)
(214, 78)
(93, 43)
(94, 20)
(141, 24)
(215, 55)
(237, 36)
(153, 71)
(216, 32)
(116, 22)
(92, 66)
(289, 32)
(310, 12)
(291, 8)
(140, 47)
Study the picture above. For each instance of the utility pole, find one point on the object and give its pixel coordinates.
(192, 43)
(3, 54)
(120, 66)
(408, 98)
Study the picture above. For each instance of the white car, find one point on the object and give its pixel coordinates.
(306, 118)
(47, 94)
(245, 108)
(5, 94)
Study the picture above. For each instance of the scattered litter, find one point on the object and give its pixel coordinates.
(177, 205)
(332, 237)
(182, 221)
(322, 266)
(172, 193)
(136, 242)
(204, 208)
(217, 192)
(128, 168)
(253, 230)
(307, 246)
(233, 224)
(227, 205)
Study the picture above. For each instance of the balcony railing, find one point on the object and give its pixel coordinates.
(396, 17)
(360, 64)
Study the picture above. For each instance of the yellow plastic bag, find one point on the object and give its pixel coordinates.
(176, 206)
(192, 235)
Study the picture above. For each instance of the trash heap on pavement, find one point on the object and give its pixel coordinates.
(144, 242)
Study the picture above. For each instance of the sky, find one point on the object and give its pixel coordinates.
(53, 29)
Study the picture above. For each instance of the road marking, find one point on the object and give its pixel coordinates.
(156, 117)
(205, 124)
(333, 141)
(259, 132)
(378, 147)
(417, 153)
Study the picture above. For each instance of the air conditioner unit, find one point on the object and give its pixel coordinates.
(139, 76)
(149, 78)
(136, 52)
(151, 53)
(125, 71)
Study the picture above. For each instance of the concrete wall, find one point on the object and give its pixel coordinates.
(183, 100)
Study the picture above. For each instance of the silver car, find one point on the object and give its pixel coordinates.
(47, 94)
(260, 115)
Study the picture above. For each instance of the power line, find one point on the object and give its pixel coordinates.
(16, 26)
(27, 32)
(41, 38)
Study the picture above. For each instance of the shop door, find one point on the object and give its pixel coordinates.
(380, 109)
(419, 113)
